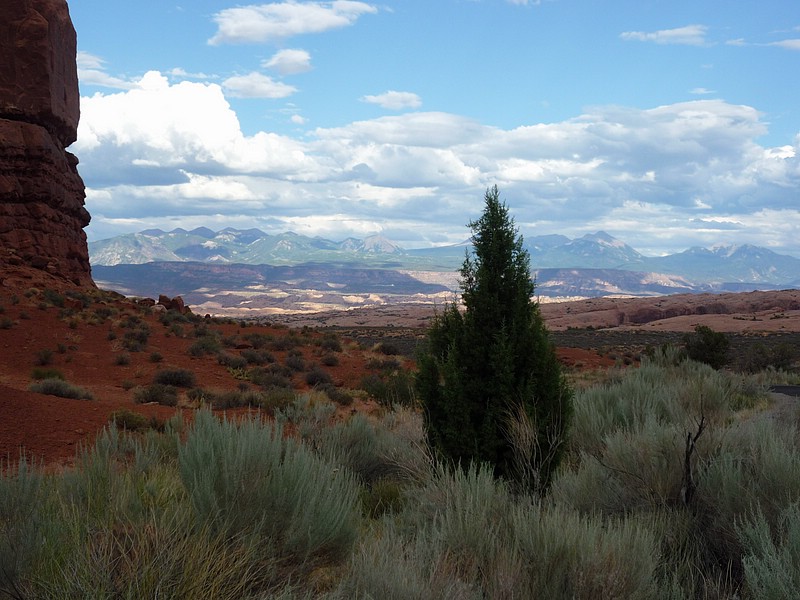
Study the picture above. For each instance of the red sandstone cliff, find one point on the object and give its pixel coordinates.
(42, 212)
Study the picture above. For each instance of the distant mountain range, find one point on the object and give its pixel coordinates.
(719, 267)
(250, 273)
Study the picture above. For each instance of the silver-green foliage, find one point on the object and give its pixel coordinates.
(772, 554)
(248, 478)
(21, 524)
(684, 448)
(466, 535)
(58, 387)
(144, 517)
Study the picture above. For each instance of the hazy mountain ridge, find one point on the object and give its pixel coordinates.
(695, 268)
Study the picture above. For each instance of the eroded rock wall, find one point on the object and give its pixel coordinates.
(42, 213)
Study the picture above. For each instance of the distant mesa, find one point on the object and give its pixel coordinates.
(42, 213)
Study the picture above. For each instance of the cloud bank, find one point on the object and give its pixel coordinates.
(167, 154)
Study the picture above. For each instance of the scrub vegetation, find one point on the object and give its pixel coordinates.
(676, 482)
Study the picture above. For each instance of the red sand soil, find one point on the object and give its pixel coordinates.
(50, 430)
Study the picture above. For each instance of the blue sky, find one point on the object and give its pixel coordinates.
(667, 124)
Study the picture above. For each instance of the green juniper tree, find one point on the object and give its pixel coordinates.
(489, 381)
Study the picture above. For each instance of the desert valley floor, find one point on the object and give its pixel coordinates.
(81, 334)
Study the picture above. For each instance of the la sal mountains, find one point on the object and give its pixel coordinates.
(234, 271)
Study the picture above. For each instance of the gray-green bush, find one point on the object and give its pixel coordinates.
(55, 386)
(248, 479)
(772, 554)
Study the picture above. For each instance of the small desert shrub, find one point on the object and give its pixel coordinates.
(317, 376)
(387, 348)
(338, 395)
(122, 359)
(329, 360)
(156, 357)
(285, 343)
(760, 357)
(330, 343)
(707, 346)
(53, 298)
(130, 321)
(44, 357)
(136, 339)
(258, 340)
(157, 393)
(175, 377)
(129, 420)
(104, 312)
(275, 399)
(170, 317)
(41, 373)
(208, 344)
(6, 323)
(60, 388)
(200, 395)
(270, 377)
(396, 388)
(230, 341)
(224, 399)
(257, 357)
(295, 362)
(231, 361)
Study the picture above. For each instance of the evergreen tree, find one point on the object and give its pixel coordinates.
(489, 381)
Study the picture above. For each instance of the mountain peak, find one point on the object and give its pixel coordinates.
(204, 232)
(379, 243)
(604, 239)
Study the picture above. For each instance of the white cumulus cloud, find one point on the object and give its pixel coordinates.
(257, 85)
(394, 100)
(163, 131)
(289, 62)
(793, 44)
(690, 35)
(260, 23)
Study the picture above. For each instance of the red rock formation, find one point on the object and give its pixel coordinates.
(42, 212)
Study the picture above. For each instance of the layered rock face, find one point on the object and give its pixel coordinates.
(42, 212)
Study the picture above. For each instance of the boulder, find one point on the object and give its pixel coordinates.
(175, 303)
